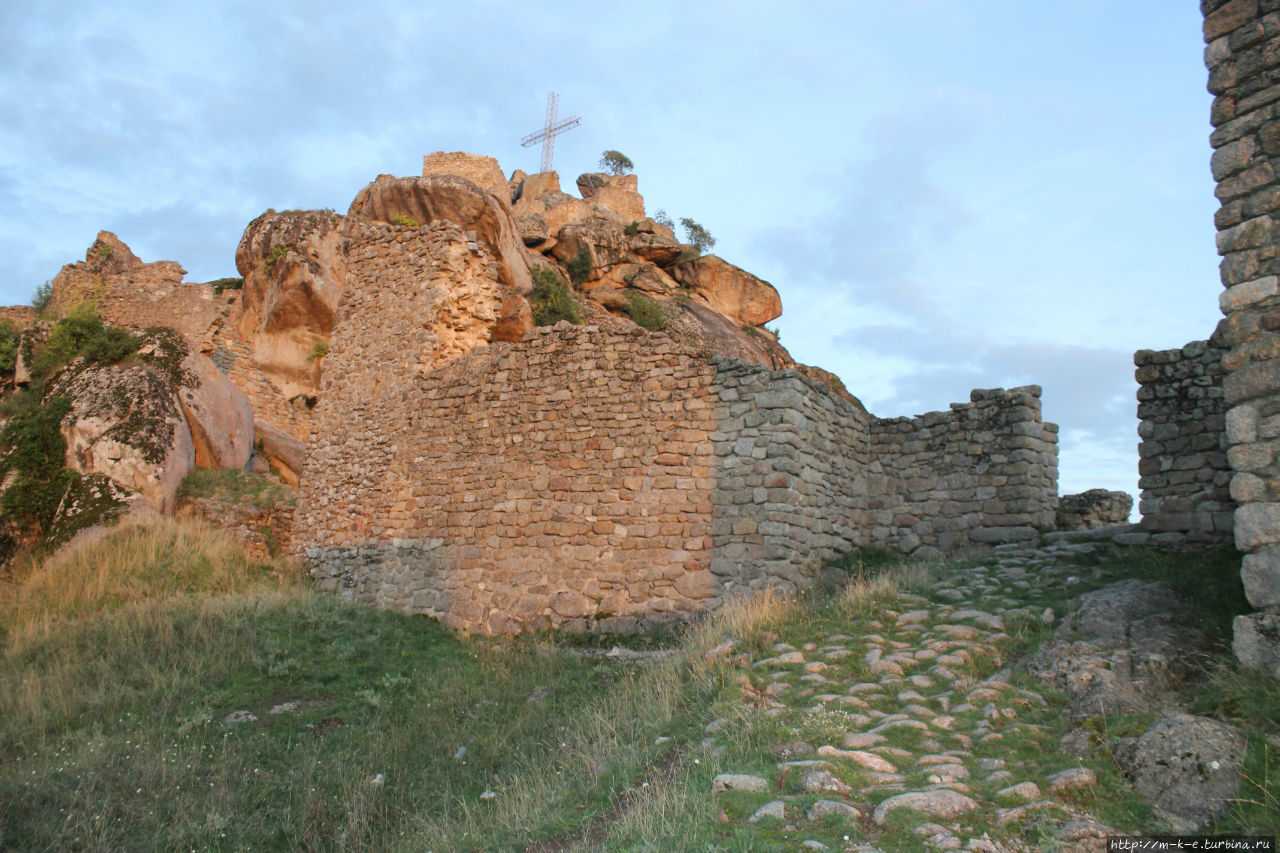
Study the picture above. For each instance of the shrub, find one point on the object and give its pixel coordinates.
(551, 299)
(8, 346)
(632, 229)
(660, 217)
(616, 163)
(35, 452)
(320, 350)
(579, 266)
(277, 253)
(644, 312)
(222, 284)
(82, 333)
(104, 251)
(404, 221)
(698, 237)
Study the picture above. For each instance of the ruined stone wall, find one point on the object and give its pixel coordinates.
(1182, 468)
(791, 462)
(478, 168)
(983, 473)
(566, 480)
(1243, 57)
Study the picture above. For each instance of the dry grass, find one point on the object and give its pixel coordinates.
(131, 564)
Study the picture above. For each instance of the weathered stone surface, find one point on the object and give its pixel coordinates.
(218, 414)
(294, 269)
(126, 421)
(738, 782)
(1094, 508)
(942, 802)
(1188, 767)
(477, 168)
(455, 200)
(733, 292)
(1260, 573)
(1256, 642)
(1120, 647)
(285, 455)
(823, 808)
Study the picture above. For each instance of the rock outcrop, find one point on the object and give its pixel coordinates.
(734, 292)
(1094, 508)
(294, 269)
(126, 421)
(1122, 648)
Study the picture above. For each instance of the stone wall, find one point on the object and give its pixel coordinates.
(566, 480)
(1182, 468)
(478, 168)
(791, 482)
(983, 473)
(596, 479)
(1243, 57)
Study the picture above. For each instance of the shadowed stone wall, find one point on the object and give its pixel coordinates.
(1182, 467)
(1243, 58)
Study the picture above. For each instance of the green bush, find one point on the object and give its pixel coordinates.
(579, 266)
(320, 350)
(404, 221)
(222, 284)
(632, 229)
(277, 253)
(8, 347)
(644, 312)
(660, 217)
(82, 332)
(35, 451)
(551, 299)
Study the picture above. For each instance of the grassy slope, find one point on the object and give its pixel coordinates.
(118, 673)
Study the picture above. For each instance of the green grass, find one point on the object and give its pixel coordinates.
(234, 487)
(117, 678)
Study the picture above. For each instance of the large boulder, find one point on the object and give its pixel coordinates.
(218, 414)
(617, 193)
(453, 199)
(1188, 767)
(1122, 648)
(294, 271)
(126, 419)
(734, 292)
(1094, 508)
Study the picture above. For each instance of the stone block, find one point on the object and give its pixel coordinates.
(1257, 524)
(1256, 642)
(1260, 574)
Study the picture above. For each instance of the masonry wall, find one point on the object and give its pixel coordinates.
(791, 463)
(566, 480)
(1243, 57)
(983, 473)
(1183, 471)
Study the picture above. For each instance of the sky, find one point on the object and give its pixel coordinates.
(947, 194)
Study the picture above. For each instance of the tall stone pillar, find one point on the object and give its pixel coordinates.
(1243, 57)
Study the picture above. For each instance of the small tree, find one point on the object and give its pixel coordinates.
(698, 237)
(43, 297)
(616, 163)
(660, 217)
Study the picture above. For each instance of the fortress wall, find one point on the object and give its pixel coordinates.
(983, 473)
(1182, 468)
(566, 480)
(791, 462)
(1243, 57)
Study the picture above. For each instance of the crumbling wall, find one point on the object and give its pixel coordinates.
(1243, 57)
(983, 473)
(791, 462)
(1182, 468)
(478, 168)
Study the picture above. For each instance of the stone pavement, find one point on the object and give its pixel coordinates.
(927, 739)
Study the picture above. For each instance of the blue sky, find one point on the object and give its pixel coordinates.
(948, 194)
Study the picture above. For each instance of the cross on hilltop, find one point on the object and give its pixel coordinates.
(550, 131)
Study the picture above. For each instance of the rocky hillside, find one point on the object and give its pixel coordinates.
(227, 373)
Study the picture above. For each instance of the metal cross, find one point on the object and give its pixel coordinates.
(550, 130)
